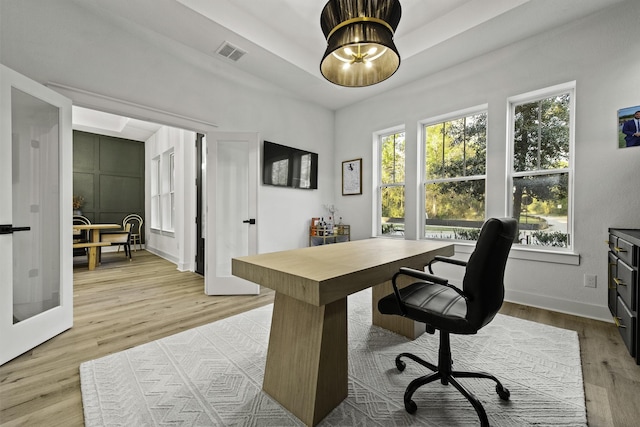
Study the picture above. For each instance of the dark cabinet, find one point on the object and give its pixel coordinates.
(624, 258)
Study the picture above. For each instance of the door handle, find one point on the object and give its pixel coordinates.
(249, 221)
(9, 229)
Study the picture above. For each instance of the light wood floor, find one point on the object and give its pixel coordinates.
(122, 304)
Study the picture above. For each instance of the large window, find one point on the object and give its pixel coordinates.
(163, 192)
(155, 193)
(541, 141)
(455, 157)
(391, 155)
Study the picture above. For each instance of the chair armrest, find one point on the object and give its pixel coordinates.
(440, 258)
(421, 275)
(418, 275)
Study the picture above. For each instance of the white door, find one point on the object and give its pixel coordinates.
(36, 283)
(232, 205)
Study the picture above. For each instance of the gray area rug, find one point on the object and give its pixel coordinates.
(212, 376)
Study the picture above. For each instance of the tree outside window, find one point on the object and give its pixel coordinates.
(541, 169)
(391, 185)
(455, 176)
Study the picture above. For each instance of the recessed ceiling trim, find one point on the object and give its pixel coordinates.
(96, 101)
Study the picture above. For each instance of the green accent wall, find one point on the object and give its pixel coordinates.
(109, 173)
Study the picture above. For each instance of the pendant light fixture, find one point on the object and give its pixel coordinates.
(360, 49)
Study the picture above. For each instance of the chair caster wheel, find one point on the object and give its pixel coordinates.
(400, 365)
(503, 392)
(410, 406)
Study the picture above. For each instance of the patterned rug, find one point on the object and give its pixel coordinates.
(212, 376)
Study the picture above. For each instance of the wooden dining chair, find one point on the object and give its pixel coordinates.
(80, 236)
(136, 222)
(119, 238)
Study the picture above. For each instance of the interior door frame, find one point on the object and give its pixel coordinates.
(96, 101)
(22, 336)
(200, 198)
(87, 99)
(231, 285)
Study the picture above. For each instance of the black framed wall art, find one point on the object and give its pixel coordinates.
(352, 177)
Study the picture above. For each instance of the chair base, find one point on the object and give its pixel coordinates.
(446, 375)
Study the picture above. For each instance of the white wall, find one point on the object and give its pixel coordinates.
(601, 55)
(63, 42)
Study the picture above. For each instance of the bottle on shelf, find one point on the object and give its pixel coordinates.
(340, 227)
(321, 227)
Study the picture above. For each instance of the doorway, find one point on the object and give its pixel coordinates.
(201, 166)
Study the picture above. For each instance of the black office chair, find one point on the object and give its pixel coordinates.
(440, 305)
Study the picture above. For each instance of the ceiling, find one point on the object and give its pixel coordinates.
(284, 43)
(112, 125)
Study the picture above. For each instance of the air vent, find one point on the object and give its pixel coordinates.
(230, 51)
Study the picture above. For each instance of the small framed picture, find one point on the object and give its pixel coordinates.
(629, 127)
(352, 177)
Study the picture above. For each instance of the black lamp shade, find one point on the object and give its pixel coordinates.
(360, 49)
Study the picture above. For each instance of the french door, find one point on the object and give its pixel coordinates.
(36, 284)
(232, 204)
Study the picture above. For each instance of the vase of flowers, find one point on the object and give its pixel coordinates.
(77, 204)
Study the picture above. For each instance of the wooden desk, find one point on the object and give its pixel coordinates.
(306, 368)
(94, 249)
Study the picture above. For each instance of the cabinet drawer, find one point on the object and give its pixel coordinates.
(625, 251)
(626, 323)
(626, 284)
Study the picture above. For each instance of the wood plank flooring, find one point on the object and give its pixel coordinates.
(122, 304)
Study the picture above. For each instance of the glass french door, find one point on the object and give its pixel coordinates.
(36, 284)
(232, 187)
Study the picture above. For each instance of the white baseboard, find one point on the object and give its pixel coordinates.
(576, 308)
(164, 255)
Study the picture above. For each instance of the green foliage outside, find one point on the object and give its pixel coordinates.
(456, 165)
(456, 153)
(541, 143)
(555, 238)
(466, 233)
(392, 175)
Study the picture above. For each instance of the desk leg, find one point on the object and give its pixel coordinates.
(398, 324)
(306, 369)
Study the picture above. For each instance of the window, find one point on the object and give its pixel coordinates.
(455, 157)
(391, 155)
(155, 193)
(163, 192)
(541, 140)
(172, 195)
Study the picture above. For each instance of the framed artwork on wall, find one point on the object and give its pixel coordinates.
(629, 127)
(352, 177)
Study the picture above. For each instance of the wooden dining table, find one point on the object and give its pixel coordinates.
(93, 249)
(95, 229)
(307, 368)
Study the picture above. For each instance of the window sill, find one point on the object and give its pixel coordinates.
(530, 254)
(517, 252)
(163, 232)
